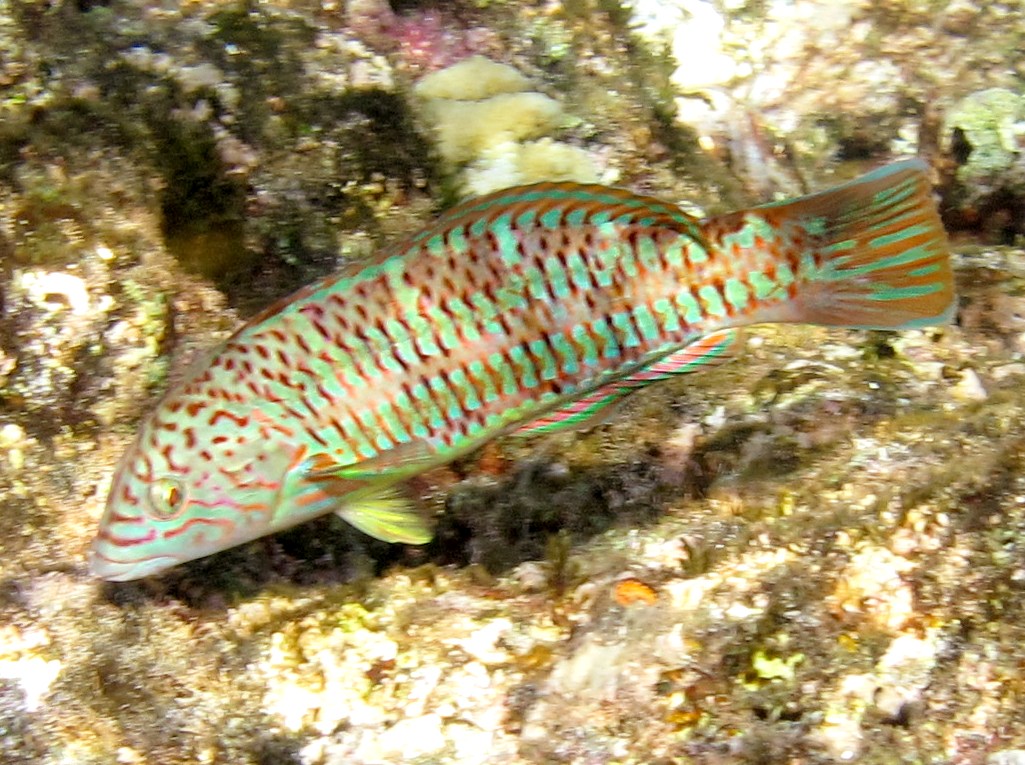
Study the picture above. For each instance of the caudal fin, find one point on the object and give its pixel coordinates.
(882, 256)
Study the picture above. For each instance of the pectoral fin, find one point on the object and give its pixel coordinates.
(388, 515)
(367, 495)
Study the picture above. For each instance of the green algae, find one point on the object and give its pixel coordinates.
(261, 54)
(991, 125)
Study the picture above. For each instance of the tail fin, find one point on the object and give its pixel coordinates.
(883, 259)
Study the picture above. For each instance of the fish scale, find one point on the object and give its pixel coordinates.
(533, 308)
(532, 354)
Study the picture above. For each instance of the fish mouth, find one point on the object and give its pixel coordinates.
(124, 571)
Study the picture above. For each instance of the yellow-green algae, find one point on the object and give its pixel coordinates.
(990, 128)
(482, 113)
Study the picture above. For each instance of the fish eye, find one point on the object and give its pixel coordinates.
(166, 499)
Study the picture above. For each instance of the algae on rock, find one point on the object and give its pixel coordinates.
(986, 131)
(482, 114)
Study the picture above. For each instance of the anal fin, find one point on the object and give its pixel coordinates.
(582, 413)
(708, 351)
(590, 410)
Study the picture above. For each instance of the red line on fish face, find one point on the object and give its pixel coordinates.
(221, 523)
(305, 401)
(255, 480)
(240, 421)
(310, 498)
(334, 423)
(267, 426)
(167, 451)
(312, 433)
(106, 534)
(143, 460)
(117, 517)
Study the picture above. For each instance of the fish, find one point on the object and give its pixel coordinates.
(530, 310)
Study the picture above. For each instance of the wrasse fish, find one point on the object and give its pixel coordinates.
(532, 309)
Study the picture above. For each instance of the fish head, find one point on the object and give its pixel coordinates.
(201, 476)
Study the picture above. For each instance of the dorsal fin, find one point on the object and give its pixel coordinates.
(564, 202)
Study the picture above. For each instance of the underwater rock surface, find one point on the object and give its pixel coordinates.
(814, 554)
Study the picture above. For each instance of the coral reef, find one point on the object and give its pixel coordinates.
(780, 87)
(811, 555)
(984, 135)
(481, 114)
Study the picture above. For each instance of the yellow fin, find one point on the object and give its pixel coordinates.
(388, 515)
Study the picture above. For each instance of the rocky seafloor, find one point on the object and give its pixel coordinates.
(811, 555)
